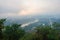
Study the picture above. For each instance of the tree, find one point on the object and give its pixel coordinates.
(43, 31)
(29, 36)
(14, 32)
(47, 33)
(1, 27)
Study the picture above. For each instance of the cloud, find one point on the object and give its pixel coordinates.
(29, 7)
(8, 10)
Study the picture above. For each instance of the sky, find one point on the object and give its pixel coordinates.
(28, 7)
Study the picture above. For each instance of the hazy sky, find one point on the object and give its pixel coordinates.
(28, 7)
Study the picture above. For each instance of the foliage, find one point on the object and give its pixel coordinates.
(42, 33)
(1, 27)
(13, 32)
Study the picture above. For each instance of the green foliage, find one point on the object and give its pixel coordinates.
(48, 33)
(13, 32)
(42, 33)
(1, 27)
(28, 36)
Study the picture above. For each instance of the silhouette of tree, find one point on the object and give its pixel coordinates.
(1, 27)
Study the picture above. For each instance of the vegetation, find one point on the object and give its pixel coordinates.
(1, 27)
(15, 32)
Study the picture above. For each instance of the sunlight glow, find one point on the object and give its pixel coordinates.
(31, 7)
